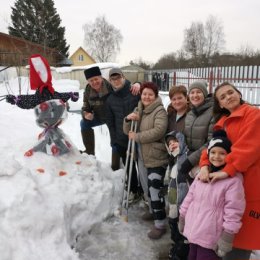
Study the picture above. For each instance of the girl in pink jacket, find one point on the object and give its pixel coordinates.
(211, 213)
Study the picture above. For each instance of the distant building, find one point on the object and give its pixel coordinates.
(15, 51)
(81, 58)
(133, 73)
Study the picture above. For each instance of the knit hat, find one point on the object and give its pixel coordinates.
(220, 140)
(201, 85)
(115, 71)
(92, 72)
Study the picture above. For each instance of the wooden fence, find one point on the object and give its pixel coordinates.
(245, 78)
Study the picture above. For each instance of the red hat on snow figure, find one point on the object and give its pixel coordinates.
(40, 73)
(41, 81)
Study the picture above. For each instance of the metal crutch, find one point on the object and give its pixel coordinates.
(130, 154)
(125, 168)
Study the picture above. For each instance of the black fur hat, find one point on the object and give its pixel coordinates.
(92, 72)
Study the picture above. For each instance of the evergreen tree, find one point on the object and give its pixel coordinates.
(38, 21)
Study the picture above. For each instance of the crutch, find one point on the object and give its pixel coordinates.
(129, 156)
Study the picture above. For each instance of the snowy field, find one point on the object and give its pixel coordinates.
(64, 208)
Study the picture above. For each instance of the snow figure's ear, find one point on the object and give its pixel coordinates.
(40, 73)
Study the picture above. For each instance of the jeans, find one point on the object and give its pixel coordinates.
(88, 124)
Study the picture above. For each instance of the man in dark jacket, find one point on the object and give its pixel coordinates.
(119, 104)
(93, 110)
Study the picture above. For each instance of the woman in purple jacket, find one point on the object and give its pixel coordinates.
(211, 213)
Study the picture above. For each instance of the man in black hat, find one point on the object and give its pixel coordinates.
(93, 109)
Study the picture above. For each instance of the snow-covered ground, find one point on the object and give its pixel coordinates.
(63, 208)
(48, 203)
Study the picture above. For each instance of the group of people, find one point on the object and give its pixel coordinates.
(208, 146)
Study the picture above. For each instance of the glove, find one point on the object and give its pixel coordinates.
(224, 244)
(186, 167)
(74, 96)
(181, 224)
(10, 99)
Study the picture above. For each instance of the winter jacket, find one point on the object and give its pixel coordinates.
(176, 190)
(242, 127)
(172, 123)
(211, 208)
(119, 104)
(199, 123)
(94, 102)
(152, 127)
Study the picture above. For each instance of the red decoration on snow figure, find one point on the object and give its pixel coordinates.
(44, 106)
(40, 73)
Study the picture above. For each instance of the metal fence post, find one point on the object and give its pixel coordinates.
(211, 81)
(174, 78)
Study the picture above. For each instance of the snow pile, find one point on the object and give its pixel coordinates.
(47, 202)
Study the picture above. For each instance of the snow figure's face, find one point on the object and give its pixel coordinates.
(50, 113)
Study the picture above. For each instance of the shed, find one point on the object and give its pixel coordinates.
(133, 73)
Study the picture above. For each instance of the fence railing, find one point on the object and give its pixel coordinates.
(245, 78)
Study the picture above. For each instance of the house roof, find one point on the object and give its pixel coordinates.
(132, 68)
(19, 39)
(80, 48)
(16, 48)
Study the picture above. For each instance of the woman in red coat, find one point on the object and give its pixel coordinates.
(241, 122)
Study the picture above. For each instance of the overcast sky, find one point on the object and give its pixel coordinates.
(152, 28)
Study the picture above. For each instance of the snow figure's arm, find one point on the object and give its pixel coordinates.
(31, 101)
(22, 101)
(11, 99)
(74, 96)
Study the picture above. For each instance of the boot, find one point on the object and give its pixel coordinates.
(176, 236)
(115, 161)
(88, 139)
(147, 216)
(182, 250)
(156, 233)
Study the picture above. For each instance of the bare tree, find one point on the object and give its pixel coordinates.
(194, 40)
(246, 51)
(102, 40)
(166, 61)
(214, 34)
(141, 63)
(201, 42)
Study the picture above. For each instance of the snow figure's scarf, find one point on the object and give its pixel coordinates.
(49, 115)
(41, 81)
